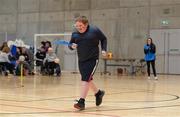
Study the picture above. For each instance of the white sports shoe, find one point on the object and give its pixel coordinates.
(156, 78)
(149, 77)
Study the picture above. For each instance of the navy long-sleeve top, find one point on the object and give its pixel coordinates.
(88, 43)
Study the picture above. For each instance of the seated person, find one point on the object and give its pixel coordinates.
(40, 56)
(26, 67)
(47, 45)
(4, 61)
(12, 55)
(29, 53)
(51, 62)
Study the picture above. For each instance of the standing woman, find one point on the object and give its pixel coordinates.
(86, 40)
(150, 57)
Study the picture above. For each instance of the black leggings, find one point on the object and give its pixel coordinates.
(153, 67)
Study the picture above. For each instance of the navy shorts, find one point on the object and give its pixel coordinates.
(87, 69)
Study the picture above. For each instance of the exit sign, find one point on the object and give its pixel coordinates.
(164, 22)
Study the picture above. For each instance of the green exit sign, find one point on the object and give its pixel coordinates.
(164, 22)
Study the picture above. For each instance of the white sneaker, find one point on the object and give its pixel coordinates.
(156, 78)
(149, 78)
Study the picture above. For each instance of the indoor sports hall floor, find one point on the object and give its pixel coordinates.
(126, 96)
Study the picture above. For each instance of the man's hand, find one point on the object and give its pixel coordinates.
(104, 53)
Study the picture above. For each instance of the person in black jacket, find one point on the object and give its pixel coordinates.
(86, 40)
(21, 51)
(40, 56)
(150, 56)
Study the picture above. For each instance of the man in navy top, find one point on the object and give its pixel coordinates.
(86, 40)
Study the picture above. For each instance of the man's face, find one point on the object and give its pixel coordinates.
(81, 27)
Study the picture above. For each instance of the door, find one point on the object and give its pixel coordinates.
(167, 43)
